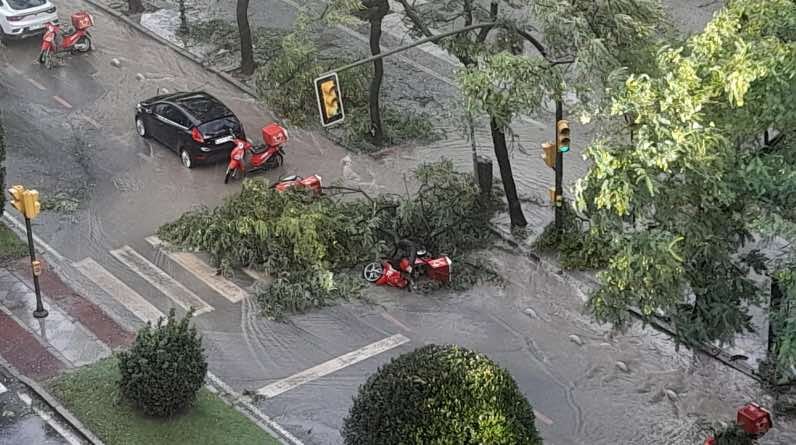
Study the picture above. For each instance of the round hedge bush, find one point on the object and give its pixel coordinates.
(165, 368)
(440, 395)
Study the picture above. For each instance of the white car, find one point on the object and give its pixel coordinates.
(22, 18)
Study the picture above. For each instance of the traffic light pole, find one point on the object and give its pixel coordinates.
(559, 221)
(40, 312)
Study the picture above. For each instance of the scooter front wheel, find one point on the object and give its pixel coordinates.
(373, 272)
(230, 174)
(46, 59)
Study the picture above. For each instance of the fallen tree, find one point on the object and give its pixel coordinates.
(310, 245)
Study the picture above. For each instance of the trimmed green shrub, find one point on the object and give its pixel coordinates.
(165, 368)
(439, 395)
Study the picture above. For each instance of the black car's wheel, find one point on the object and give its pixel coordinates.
(186, 159)
(140, 128)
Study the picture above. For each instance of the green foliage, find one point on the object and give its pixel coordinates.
(92, 394)
(733, 435)
(11, 247)
(579, 247)
(292, 233)
(299, 291)
(398, 127)
(694, 181)
(440, 395)
(165, 368)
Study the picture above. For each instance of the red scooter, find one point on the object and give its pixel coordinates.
(77, 41)
(384, 273)
(311, 183)
(753, 420)
(263, 157)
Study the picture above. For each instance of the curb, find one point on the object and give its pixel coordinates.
(655, 321)
(185, 53)
(53, 404)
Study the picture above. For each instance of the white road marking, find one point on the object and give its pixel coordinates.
(160, 280)
(201, 270)
(546, 420)
(261, 415)
(13, 69)
(36, 84)
(331, 366)
(2, 388)
(120, 292)
(21, 230)
(63, 102)
(255, 274)
(66, 434)
(25, 398)
(395, 321)
(91, 121)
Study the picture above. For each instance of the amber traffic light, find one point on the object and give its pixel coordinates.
(16, 193)
(562, 135)
(32, 205)
(330, 104)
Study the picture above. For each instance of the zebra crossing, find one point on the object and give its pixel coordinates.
(178, 294)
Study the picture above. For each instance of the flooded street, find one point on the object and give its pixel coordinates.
(110, 190)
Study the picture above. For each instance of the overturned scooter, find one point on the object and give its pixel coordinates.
(385, 273)
(77, 41)
(262, 157)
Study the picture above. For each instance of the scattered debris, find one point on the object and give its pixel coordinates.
(575, 339)
(140, 77)
(622, 366)
(116, 62)
(531, 313)
(671, 395)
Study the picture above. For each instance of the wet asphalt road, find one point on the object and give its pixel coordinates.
(70, 130)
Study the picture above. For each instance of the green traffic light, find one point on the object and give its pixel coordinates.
(564, 148)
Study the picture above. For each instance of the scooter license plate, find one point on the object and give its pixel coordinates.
(220, 141)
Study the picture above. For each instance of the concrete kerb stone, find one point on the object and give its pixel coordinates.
(584, 286)
(53, 404)
(187, 54)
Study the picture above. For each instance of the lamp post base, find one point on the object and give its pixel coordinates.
(40, 313)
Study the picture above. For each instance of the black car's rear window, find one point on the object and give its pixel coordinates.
(24, 4)
(221, 126)
(204, 108)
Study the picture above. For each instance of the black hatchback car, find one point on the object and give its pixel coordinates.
(197, 126)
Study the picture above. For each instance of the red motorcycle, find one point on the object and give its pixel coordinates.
(385, 273)
(76, 41)
(263, 157)
(311, 183)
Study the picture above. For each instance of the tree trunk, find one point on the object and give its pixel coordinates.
(774, 312)
(502, 156)
(246, 51)
(376, 130)
(135, 6)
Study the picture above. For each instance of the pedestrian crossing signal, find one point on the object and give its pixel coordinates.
(330, 104)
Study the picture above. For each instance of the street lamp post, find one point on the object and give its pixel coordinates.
(40, 312)
(27, 202)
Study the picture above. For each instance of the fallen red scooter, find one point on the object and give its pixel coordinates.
(311, 183)
(753, 420)
(77, 41)
(385, 273)
(263, 157)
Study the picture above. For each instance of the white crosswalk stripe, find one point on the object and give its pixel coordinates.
(120, 292)
(178, 293)
(2, 388)
(202, 271)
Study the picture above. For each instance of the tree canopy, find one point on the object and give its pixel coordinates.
(701, 176)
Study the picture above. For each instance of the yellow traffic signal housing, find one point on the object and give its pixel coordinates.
(32, 206)
(549, 154)
(16, 193)
(562, 135)
(330, 103)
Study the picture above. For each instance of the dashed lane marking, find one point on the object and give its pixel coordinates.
(91, 121)
(2, 388)
(395, 321)
(25, 398)
(202, 271)
(36, 84)
(63, 102)
(546, 420)
(120, 292)
(13, 69)
(331, 366)
(160, 280)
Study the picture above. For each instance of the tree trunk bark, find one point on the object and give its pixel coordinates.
(774, 311)
(502, 156)
(376, 130)
(246, 50)
(135, 6)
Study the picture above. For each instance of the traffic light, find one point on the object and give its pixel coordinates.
(562, 135)
(549, 154)
(16, 193)
(32, 206)
(330, 104)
